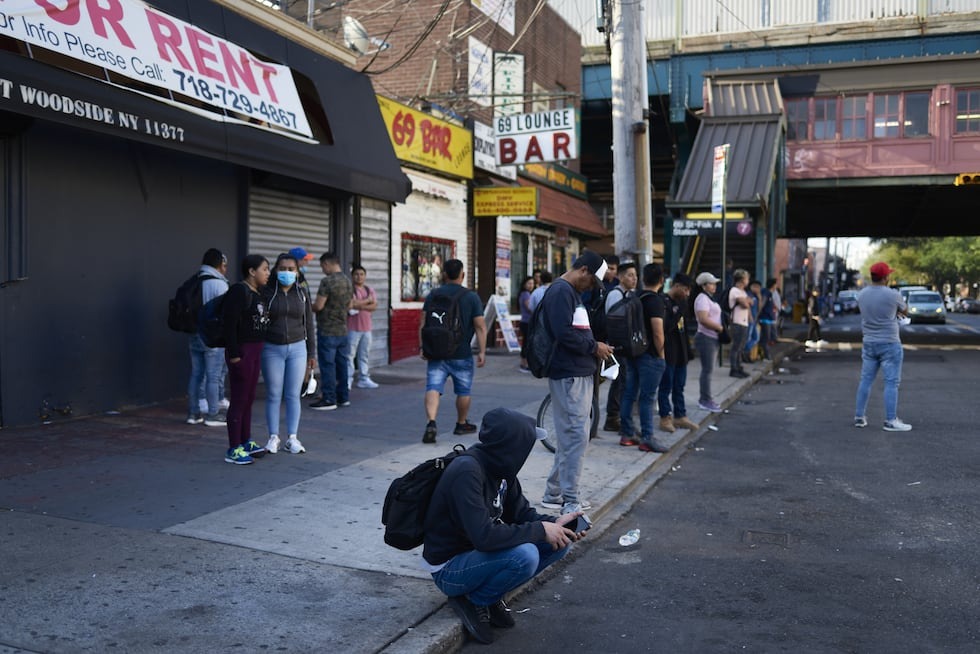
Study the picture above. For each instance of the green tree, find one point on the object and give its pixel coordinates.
(930, 261)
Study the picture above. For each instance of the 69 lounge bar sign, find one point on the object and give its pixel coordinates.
(536, 138)
(132, 39)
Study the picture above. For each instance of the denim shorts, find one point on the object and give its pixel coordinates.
(461, 371)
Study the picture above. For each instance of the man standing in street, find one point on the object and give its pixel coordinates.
(539, 292)
(627, 284)
(643, 373)
(359, 328)
(332, 302)
(459, 365)
(571, 377)
(881, 347)
(740, 304)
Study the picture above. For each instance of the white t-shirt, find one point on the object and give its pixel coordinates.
(740, 314)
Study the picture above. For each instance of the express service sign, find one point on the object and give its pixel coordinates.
(537, 137)
(427, 141)
(132, 39)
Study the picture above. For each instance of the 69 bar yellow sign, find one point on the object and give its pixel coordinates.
(427, 141)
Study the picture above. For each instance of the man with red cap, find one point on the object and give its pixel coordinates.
(881, 307)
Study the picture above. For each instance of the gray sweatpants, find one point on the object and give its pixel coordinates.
(571, 404)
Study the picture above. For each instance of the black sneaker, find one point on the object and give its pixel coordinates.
(500, 615)
(464, 428)
(741, 374)
(323, 405)
(476, 619)
(430, 432)
(612, 424)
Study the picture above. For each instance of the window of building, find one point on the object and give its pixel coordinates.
(824, 119)
(797, 114)
(967, 111)
(422, 261)
(887, 115)
(853, 120)
(916, 119)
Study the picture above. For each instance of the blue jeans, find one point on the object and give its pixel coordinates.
(207, 370)
(642, 379)
(438, 371)
(331, 352)
(283, 368)
(485, 577)
(359, 345)
(672, 387)
(707, 353)
(888, 357)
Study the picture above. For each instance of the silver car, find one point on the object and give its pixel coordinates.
(926, 306)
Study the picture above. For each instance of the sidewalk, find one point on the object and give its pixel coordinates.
(129, 531)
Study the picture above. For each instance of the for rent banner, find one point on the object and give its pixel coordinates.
(141, 43)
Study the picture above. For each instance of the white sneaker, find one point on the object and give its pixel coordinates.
(897, 425)
(273, 445)
(366, 382)
(293, 446)
(224, 403)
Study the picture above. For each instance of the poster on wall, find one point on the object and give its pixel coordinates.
(421, 265)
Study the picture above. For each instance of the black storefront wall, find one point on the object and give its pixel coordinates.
(113, 226)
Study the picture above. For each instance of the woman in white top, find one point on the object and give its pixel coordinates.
(708, 313)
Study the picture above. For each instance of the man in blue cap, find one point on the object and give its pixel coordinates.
(303, 257)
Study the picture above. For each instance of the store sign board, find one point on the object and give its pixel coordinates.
(508, 83)
(558, 177)
(536, 138)
(426, 141)
(479, 72)
(703, 222)
(132, 39)
(505, 201)
(485, 152)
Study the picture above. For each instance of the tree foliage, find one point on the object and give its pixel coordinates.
(930, 261)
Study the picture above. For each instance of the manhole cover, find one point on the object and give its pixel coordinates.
(756, 538)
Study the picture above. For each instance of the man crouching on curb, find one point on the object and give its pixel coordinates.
(482, 537)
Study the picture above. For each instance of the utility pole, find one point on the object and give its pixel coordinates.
(631, 149)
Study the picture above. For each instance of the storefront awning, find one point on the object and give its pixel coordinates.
(352, 153)
(562, 210)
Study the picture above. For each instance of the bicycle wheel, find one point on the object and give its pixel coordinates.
(547, 422)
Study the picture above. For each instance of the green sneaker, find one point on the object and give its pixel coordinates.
(238, 456)
(253, 449)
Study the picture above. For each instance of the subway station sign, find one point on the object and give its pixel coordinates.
(427, 141)
(536, 138)
(134, 40)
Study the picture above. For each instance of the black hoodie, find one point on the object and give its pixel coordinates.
(464, 513)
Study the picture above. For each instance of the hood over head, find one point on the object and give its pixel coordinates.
(506, 439)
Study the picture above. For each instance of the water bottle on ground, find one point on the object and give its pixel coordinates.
(629, 538)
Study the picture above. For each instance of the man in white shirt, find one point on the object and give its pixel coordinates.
(740, 302)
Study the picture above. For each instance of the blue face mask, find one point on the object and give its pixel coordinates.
(286, 277)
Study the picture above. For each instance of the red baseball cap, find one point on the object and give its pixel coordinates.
(881, 269)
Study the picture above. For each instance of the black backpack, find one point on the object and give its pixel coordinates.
(726, 308)
(541, 344)
(442, 330)
(211, 322)
(625, 326)
(407, 501)
(185, 306)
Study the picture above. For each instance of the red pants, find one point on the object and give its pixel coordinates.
(243, 377)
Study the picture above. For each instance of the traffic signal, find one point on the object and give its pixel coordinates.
(963, 179)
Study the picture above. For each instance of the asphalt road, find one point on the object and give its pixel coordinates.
(789, 530)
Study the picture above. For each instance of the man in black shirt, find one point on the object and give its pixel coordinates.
(676, 355)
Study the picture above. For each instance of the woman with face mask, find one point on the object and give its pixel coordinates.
(290, 351)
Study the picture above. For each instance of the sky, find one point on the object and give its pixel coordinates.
(855, 249)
